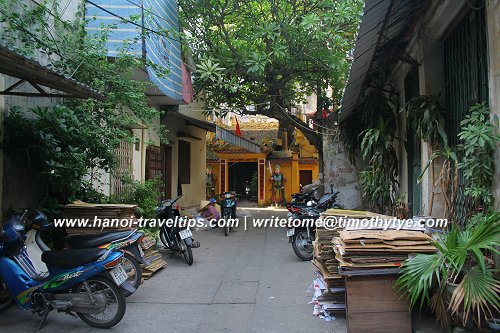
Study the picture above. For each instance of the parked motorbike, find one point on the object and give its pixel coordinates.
(176, 238)
(304, 198)
(82, 282)
(302, 236)
(126, 241)
(228, 203)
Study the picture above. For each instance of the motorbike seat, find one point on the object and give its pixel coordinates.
(71, 258)
(87, 241)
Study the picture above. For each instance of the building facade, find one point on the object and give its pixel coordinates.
(448, 49)
(180, 162)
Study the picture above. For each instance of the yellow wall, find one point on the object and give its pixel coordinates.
(290, 170)
(305, 148)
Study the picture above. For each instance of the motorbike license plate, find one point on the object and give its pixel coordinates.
(185, 233)
(119, 275)
(290, 232)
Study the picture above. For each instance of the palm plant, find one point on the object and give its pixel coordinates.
(461, 260)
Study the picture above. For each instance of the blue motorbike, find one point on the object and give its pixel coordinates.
(83, 283)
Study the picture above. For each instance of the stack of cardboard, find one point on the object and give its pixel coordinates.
(104, 213)
(152, 256)
(327, 301)
(378, 251)
(324, 255)
(329, 297)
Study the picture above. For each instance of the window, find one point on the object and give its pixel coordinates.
(154, 164)
(184, 162)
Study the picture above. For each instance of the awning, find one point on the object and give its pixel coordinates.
(31, 71)
(193, 121)
(383, 27)
(233, 139)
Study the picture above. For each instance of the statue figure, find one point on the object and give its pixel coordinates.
(210, 183)
(277, 186)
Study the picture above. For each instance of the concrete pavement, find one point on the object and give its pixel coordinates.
(250, 281)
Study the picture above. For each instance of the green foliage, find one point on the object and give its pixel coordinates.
(479, 141)
(379, 179)
(461, 259)
(78, 135)
(427, 118)
(143, 194)
(270, 54)
(60, 144)
(349, 135)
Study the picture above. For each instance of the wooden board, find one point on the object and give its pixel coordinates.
(385, 322)
(373, 294)
(374, 305)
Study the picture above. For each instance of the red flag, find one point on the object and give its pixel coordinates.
(238, 130)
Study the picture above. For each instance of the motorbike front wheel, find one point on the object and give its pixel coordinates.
(226, 217)
(115, 308)
(187, 252)
(6, 300)
(163, 239)
(302, 245)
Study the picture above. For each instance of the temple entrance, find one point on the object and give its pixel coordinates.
(241, 174)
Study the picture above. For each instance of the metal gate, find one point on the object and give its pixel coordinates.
(466, 75)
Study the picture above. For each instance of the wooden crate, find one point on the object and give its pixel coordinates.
(373, 305)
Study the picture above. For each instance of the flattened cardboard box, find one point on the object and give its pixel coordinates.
(388, 235)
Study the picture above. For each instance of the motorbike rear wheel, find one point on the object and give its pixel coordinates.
(133, 269)
(6, 300)
(100, 284)
(302, 245)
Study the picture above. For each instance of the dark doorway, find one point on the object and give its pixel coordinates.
(240, 174)
(167, 174)
(306, 177)
(413, 149)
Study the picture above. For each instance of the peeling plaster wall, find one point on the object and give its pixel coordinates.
(341, 173)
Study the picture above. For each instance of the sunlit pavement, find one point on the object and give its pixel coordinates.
(250, 281)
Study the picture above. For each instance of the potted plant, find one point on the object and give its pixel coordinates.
(460, 266)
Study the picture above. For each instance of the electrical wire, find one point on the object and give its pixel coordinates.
(307, 128)
(142, 27)
(117, 16)
(150, 12)
(129, 21)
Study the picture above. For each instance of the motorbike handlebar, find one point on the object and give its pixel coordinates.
(172, 202)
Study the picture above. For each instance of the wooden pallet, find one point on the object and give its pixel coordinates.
(151, 255)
